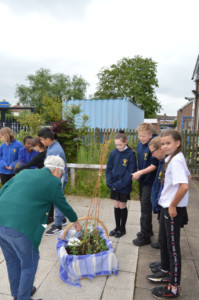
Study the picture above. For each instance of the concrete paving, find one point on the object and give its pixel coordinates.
(189, 252)
(131, 282)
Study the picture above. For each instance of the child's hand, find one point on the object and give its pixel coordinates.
(136, 175)
(8, 168)
(172, 211)
(77, 226)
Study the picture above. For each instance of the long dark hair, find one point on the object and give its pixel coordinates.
(36, 142)
(176, 137)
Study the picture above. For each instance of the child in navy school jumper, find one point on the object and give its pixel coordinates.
(147, 166)
(121, 164)
(9, 152)
(157, 152)
(173, 201)
(26, 153)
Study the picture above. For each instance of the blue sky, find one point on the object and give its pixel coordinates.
(82, 36)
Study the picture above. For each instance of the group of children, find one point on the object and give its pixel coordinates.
(163, 185)
(15, 156)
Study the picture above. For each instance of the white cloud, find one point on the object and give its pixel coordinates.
(81, 37)
(170, 104)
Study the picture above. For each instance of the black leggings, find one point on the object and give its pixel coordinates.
(5, 177)
(169, 239)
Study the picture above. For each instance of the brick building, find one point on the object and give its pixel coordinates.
(185, 116)
(195, 77)
(162, 122)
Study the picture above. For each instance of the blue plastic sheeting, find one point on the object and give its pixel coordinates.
(75, 267)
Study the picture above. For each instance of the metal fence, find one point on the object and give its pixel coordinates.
(101, 135)
(190, 144)
(190, 141)
(190, 149)
(15, 126)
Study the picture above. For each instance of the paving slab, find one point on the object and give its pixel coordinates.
(119, 287)
(189, 252)
(4, 283)
(47, 280)
(126, 250)
(131, 282)
(53, 288)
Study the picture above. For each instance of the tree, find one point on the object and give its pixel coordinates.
(69, 129)
(56, 86)
(134, 78)
(51, 110)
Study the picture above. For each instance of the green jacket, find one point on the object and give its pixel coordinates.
(25, 202)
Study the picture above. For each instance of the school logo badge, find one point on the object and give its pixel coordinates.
(125, 162)
(14, 150)
(145, 156)
(160, 176)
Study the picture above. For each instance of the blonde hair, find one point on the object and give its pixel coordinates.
(146, 127)
(155, 142)
(7, 133)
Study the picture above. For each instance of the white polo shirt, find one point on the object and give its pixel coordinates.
(176, 173)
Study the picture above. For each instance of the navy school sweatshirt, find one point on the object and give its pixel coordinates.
(156, 187)
(145, 159)
(119, 170)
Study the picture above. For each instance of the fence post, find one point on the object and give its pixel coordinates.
(72, 176)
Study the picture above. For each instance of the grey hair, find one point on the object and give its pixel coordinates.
(55, 161)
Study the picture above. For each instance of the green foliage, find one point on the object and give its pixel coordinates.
(51, 110)
(134, 78)
(90, 152)
(67, 136)
(67, 133)
(90, 243)
(32, 122)
(85, 182)
(66, 130)
(55, 86)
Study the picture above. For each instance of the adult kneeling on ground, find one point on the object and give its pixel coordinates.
(24, 205)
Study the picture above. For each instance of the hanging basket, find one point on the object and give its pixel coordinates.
(75, 267)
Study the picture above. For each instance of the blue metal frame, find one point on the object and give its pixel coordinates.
(183, 119)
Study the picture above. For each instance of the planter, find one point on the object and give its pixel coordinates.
(75, 267)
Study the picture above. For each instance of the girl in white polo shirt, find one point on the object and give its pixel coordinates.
(173, 200)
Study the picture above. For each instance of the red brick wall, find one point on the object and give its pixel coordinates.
(184, 112)
(196, 127)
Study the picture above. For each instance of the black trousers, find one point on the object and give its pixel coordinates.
(146, 210)
(169, 239)
(5, 178)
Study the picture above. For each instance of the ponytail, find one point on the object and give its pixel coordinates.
(176, 137)
(123, 137)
